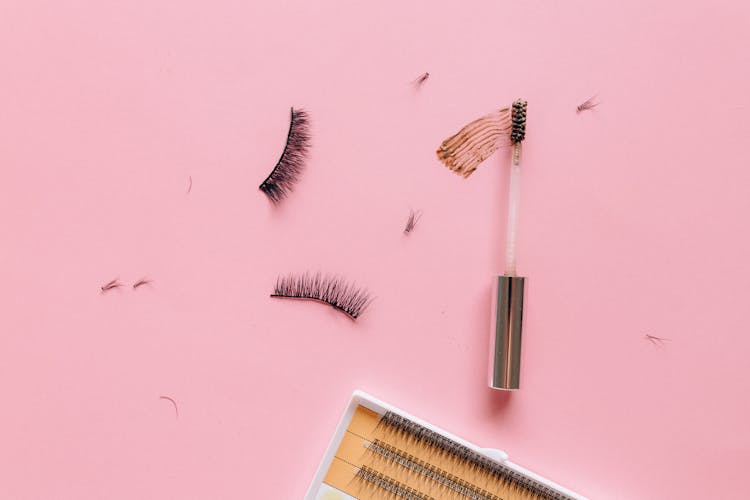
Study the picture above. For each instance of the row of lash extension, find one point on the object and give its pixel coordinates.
(415, 432)
(442, 482)
(445, 481)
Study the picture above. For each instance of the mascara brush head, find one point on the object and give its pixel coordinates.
(518, 116)
(477, 141)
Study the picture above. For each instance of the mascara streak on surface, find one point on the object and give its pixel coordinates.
(477, 141)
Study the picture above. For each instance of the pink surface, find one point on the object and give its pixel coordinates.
(633, 222)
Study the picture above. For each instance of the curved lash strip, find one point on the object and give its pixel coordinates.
(280, 182)
(333, 291)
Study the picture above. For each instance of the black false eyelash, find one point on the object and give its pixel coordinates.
(281, 180)
(333, 291)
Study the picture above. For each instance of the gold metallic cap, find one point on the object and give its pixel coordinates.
(505, 334)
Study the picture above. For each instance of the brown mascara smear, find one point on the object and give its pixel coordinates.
(470, 146)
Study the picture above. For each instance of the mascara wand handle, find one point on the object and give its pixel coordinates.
(514, 201)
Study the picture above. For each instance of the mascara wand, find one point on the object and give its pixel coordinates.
(462, 153)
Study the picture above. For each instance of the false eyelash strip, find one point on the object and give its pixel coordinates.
(333, 291)
(286, 173)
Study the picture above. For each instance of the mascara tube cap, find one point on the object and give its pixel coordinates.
(505, 333)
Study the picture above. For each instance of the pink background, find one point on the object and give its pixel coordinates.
(634, 221)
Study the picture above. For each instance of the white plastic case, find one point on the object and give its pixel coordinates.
(318, 490)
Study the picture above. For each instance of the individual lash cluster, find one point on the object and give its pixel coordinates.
(412, 221)
(280, 182)
(586, 105)
(330, 290)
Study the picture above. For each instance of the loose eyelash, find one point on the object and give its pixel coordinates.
(589, 103)
(115, 283)
(657, 340)
(421, 79)
(141, 282)
(281, 180)
(174, 403)
(411, 222)
(333, 291)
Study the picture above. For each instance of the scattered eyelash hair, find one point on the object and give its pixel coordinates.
(331, 290)
(286, 173)
(141, 282)
(115, 283)
(657, 340)
(411, 222)
(421, 79)
(174, 403)
(589, 103)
